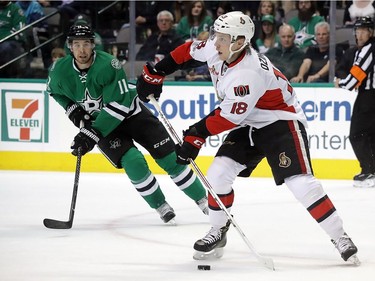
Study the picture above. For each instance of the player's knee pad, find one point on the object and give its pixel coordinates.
(168, 163)
(135, 164)
(306, 188)
(222, 174)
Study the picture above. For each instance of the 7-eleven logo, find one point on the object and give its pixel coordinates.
(24, 116)
(29, 107)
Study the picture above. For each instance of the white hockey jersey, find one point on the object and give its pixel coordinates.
(253, 92)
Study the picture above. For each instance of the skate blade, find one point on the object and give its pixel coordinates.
(214, 254)
(354, 260)
(364, 184)
(172, 222)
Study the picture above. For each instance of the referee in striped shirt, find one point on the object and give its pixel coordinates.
(361, 77)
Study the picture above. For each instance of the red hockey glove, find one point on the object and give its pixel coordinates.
(150, 82)
(190, 147)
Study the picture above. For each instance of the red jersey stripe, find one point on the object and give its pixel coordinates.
(298, 145)
(273, 100)
(216, 124)
(182, 53)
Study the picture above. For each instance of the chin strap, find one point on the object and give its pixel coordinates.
(231, 53)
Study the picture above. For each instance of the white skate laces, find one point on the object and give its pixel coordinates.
(213, 235)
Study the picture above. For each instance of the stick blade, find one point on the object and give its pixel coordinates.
(56, 224)
(267, 262)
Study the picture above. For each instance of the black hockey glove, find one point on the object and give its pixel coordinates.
(190, 147)
(86, 138)
(77, 114)
(150, 82)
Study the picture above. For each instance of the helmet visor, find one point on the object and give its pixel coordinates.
(222, 38)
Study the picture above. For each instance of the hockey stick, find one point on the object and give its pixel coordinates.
(56, 224)
(267, 262)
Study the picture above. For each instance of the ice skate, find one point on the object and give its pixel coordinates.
(166, 213)
(211, 246)
(347, 249)
(203, 205)
(364, 180)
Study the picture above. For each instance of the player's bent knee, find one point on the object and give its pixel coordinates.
(222, 174)
(168, 164)
(306, 188)
(135, 164)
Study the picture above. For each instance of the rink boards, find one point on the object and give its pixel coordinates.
(36, 134)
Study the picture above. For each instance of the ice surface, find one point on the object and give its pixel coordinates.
(116, 236)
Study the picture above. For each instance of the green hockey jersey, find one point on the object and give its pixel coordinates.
(103, 91)
(12, 19)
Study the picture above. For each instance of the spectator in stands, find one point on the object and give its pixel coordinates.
(57, 53)
(269, 7)
(265, 8)
(315, 66)
(249, 8)
(68, 9)
(304, 23)
(162, 42)
(178, 10)
(37, 34)
(287, 57)
(358, 8)
(32, 10)
(12, 19)
(195, 21)
(146, 17)
(268, 37)
(222, 7)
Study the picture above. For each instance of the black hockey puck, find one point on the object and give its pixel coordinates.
(204, 267)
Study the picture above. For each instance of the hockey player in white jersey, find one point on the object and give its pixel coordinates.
(260, 107)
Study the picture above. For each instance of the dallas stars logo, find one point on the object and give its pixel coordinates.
(90, 104)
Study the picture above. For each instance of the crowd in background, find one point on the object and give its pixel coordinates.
(163, 25)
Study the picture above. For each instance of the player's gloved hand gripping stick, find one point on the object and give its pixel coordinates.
(267, 262)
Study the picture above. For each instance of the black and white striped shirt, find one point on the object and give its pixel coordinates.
(362, 73)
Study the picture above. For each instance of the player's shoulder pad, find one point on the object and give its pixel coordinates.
(58, 64)
(109, 59)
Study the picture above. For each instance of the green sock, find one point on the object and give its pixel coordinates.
(182, 176)
(144, 181)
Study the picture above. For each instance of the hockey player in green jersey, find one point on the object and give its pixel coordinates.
(92, 87)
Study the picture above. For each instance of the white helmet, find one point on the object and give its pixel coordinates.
(235, 24)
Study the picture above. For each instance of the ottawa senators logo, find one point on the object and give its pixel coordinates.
(284, 160)
(241, 91)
